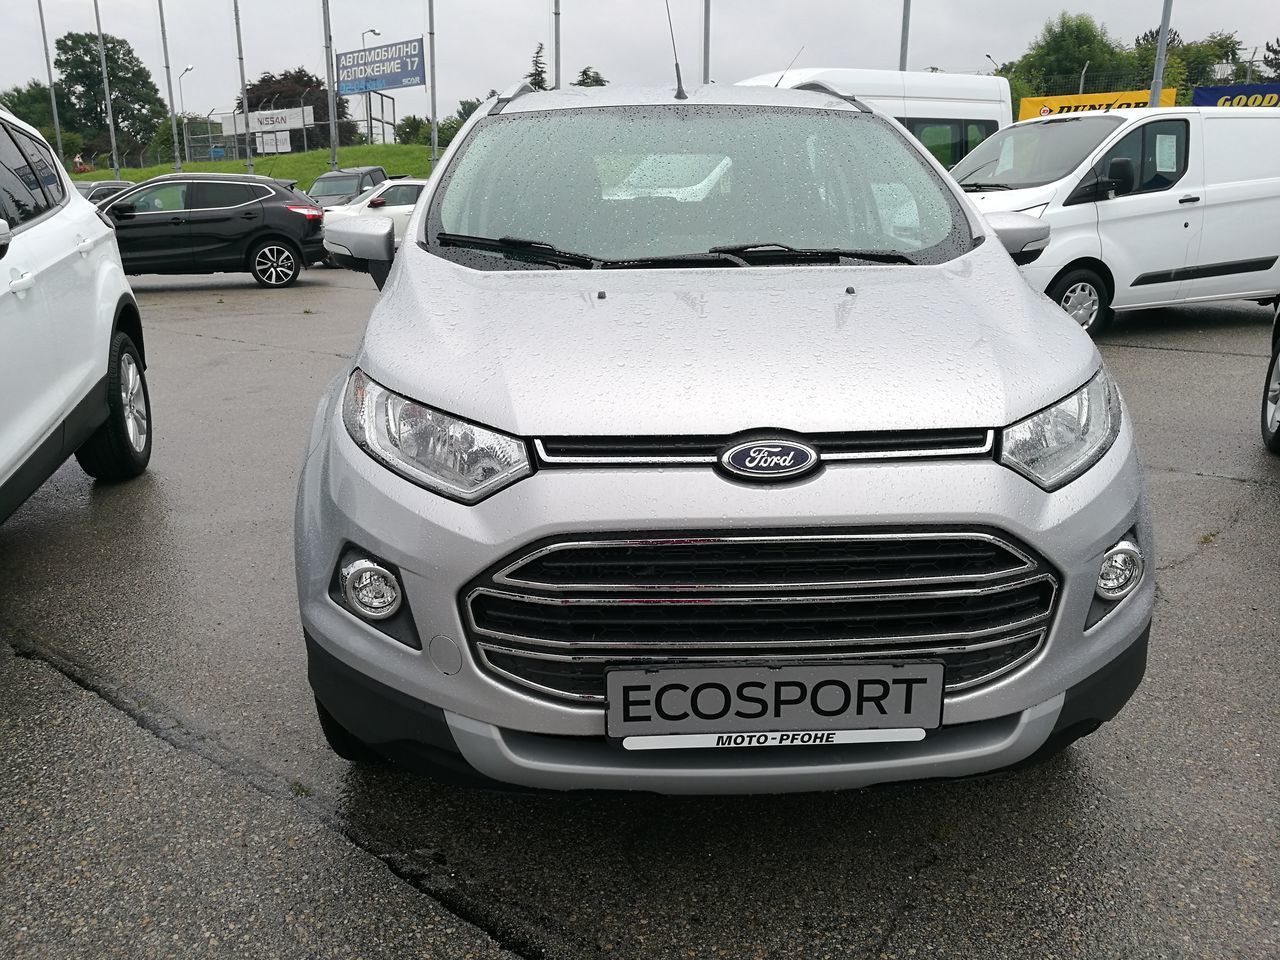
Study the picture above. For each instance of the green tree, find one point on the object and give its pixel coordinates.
(1271, 59)
(290, 89)
(136, 106)
(413, 129)
(589, 77)
(30, 102)
(1067, 43)
(537, 76)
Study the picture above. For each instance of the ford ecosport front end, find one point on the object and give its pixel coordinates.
(761, 471)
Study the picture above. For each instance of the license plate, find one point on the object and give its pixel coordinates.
(772, 705)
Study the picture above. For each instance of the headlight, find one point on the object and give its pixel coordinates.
(449, 456)
(1053, 447)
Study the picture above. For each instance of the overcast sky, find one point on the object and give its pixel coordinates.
(488, 43)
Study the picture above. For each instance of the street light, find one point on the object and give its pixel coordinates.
(993, 62)
(182, 105)
(368, 97)
(302, 105)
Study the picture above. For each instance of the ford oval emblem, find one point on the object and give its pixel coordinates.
(769, 458)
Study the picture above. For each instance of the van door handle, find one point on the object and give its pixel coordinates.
(23, 283)
(1189, 199)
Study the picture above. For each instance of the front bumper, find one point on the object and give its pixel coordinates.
(517, 736)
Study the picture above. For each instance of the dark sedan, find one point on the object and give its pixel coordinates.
(218, 223)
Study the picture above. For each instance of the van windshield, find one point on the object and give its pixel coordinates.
(622, 184)
(1033, 154)
(334, 186)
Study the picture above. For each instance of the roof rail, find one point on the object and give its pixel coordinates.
(509, 94)
(821, 86)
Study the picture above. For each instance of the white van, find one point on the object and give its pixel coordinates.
(950, 113)
(1148, 207)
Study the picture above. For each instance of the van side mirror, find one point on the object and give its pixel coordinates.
(1120, 176)
(123, 211)
(1024, 236)
(363, 244)
(6, 237)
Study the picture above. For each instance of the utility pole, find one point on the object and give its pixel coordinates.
(168, 79)
(368, 97)
(1082, 73)
(906, 33)
(1162, 48)
(435, 127)
(333, 98)
(182, 106)
(244, 91)
(48, 65)
(706, 41)
(302, 105)
(555, 10)
(106, 92)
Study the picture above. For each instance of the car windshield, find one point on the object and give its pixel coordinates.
(334, 186)
(621, 184)
(1033, 154)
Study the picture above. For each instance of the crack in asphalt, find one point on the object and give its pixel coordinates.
(1212, 353)
(172, 731)
(250, 343)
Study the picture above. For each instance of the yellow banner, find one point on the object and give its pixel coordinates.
(1076, 103)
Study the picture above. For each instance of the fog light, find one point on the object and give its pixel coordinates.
(1121, 571)
(372, 591)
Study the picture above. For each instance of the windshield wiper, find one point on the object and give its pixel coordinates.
(519, 247)
(979, 187)
(784, 253)
(674, 260)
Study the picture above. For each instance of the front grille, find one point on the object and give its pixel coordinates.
(866, 445)
(558, 615)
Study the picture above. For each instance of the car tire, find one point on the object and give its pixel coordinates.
(1085, 297)
(1271, 402)
(121, 446)
(275, 264)
(342, 741)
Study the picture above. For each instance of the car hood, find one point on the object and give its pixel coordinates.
(720, 350)
(990, 201)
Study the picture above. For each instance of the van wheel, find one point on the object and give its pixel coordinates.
(342, 741)
(1085, 297)
(121, 447)
(1271, 403)
(275, 263)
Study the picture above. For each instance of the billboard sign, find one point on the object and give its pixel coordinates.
(1033, 107)
(295, 118)
(1239, 95)
(273, 142)
(388, 66)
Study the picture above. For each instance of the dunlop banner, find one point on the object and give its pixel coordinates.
(1239, 95)
(1079, 102)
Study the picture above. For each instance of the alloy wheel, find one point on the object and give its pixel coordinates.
(134, 402)
(1273, 397)
(275, 264)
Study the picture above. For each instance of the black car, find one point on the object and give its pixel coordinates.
(218, 223)
(338, 186)
(95, 191)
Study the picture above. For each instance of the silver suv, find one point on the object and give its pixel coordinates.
(714, 445)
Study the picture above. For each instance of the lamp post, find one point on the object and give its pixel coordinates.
(706, 42)
(555, 12)
(106, 92)
(368, 97)
(906, 34)
(182, 106)
(1162, 49)
(333, 93)
(435, 127)
(302, 105)
(244, 91)
(48, 65)
(168, 79)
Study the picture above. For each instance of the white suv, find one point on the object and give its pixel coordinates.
(71, 372)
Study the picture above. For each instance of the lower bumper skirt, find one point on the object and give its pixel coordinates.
(456, 748)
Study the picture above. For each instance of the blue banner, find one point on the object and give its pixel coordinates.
(1239, 95)
(388, 66)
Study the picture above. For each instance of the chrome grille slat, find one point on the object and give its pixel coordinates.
(985, 609)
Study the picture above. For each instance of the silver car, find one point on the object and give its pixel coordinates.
(776, 478)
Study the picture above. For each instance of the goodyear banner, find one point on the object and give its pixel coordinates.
(1079, 102)
(1239, 95)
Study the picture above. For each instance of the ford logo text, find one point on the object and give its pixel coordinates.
(769, 459)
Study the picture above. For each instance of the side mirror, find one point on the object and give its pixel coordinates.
(364, 244)
(1120, 175)
(6, 237)
(378, 202)
(1024, 236)
(122, 211)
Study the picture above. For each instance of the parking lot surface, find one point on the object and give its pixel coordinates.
(165, 790)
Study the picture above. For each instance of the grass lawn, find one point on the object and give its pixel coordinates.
(396, 158)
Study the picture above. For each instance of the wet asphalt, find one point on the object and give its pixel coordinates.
(165, 790)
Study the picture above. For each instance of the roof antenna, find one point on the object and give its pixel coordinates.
(789, 66)
(680, 94)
